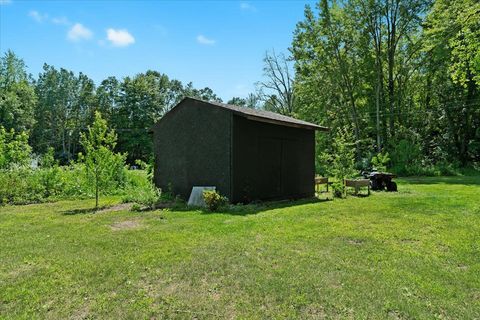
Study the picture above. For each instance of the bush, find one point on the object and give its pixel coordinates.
(338, 189)
(148, 195)
(20, 186)
(380, 161)
(214, 200)
(24, 185)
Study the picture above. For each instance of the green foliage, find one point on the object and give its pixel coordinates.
(383, 68)
(148, 196)
(380, 161)
(17, 96)
(20, 186)
(341, 161)
(14, 149)
(338, 189)
(48, 160)
(103, 166)
(65, 107)
(141, 190)
(214, 200)
(24, 185)
(142, 165)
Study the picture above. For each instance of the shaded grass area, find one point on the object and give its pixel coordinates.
(411, 254)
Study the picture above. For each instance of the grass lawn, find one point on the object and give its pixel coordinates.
(411, 254)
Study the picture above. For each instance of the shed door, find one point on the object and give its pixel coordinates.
(269, 177)
(291, 167)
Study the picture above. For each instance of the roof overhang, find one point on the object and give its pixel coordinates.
(282, 123)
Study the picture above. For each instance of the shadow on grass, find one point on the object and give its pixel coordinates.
(461, 180)
(257, 207)
(82, 211)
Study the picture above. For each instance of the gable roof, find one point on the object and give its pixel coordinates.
(258, 115)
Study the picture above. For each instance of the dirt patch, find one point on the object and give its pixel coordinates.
(126, 225)
(81, 313)
(355, 242)
(395, 314)
(118, 207)
(409, 241)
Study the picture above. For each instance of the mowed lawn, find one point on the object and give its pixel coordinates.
(411, 254)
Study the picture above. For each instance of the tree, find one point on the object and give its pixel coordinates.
(206, 93)
(65, 107)
(14, 148)
(359, 64)
(142, 101)
(17, 96)
(329, 66)
(277, 90)
(341, 161)
(237, 101)
(452, 50)
(102, 165)
(108, 97)
(251, 101)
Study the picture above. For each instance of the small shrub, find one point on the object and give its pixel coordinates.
(214, 200)
(147, 196)
(136, 207)
(338, 189)
(380, 161)
(20, 186)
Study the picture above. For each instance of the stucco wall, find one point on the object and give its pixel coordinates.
(192, 148)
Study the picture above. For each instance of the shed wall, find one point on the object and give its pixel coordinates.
(271, 161)
(192, 148)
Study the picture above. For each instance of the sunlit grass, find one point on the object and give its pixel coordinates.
(411, 254)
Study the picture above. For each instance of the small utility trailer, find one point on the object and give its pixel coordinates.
(381, 180)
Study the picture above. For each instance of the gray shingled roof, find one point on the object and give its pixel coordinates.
(265, 116)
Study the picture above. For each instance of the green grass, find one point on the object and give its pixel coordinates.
(411, 254)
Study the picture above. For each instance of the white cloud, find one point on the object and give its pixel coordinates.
(5, 2)
(120, 37)
(61, 21)
(246, 6)
(79, 32)
(204, 40)
(37, 16)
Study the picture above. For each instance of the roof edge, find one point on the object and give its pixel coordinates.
(260, 118)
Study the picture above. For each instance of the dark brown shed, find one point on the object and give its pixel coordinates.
(247, 154)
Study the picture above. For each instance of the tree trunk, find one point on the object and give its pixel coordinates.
(96, 190)
(391, 91)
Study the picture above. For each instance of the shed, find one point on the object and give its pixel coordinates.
(247, 154)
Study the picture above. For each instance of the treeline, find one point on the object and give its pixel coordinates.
(403, 76)
(58, 105)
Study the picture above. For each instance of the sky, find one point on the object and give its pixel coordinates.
(216, 44)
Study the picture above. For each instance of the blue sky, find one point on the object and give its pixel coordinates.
(216, 44)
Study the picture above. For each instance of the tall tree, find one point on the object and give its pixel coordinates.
(17, 96)
(65, 104)
(142, 101)
(277, 90)
(452, 36)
